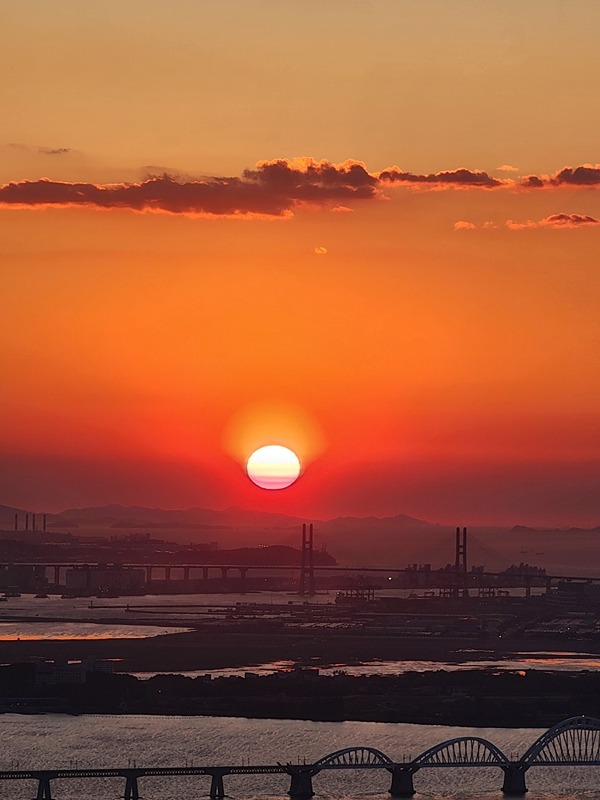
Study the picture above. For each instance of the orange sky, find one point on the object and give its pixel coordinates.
(427, 340)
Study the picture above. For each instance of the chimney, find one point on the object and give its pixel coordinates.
(26, 522)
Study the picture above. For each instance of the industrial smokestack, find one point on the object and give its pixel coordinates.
(26, 522)
(457, 551)
(33, 522)
(16, 522)
(44, 523)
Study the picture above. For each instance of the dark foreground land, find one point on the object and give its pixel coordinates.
(465, 698)
(219, 649)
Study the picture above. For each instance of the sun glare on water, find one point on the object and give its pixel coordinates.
(273, 467)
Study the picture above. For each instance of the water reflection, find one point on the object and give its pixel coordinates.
(55, 741)
(34, 631)
(556, 662)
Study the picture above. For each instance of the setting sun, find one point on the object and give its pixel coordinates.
(273, 467)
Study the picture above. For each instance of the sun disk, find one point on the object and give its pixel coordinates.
(273, 467)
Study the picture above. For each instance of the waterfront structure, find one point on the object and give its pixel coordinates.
(55, 673)
(575, 742)
(23, 578)
(105, 579)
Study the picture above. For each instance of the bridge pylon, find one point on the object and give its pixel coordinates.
(301, 787)
(217, 789)
(307, 566)
(514, 779)
(460, 562)
(131, 788)
(44, 792)
(402, 781)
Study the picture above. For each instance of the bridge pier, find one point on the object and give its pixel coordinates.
(44, 791)
(217, 788)
(402, 781)
(301, 787)
(514, 779)
(131, 788)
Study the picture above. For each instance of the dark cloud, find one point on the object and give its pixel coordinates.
(302, 173)
(55, 151)
(585, 175)
(272, 189)
(571, 220)
(555, 221)
(219, 196)
(457, 177)
(578, 176)
(532, 182)
(45, 151)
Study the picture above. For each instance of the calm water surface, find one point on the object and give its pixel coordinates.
(553, 662)
(51, 741)
(21, 631)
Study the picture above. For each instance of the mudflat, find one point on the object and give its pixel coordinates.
(214, 649)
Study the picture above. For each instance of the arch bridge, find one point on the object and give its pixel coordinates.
(575, 742)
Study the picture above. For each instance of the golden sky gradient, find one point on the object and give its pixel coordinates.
(426, 339)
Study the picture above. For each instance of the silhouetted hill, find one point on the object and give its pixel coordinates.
(353, 539)
(528, 529)
(394, 523)
(117, 516)
(7, 517)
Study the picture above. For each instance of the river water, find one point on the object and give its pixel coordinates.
(53, 741)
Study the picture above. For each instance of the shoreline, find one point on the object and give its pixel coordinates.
(469, 698)
(200, 649)
(206, 650)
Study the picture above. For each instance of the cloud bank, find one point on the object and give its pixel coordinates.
(556, 221)
(272, 189)
(585, 175)
(553, 221)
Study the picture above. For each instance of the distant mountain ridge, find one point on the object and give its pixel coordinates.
(392, 541)
(115, 515)
(7, 516)
(375, 523)
(528, 529)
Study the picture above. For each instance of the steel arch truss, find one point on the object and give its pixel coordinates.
(465, 751)
(354, 757)
(575, 741)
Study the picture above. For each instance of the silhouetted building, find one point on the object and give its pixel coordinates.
(22, 578)
(51, 673)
